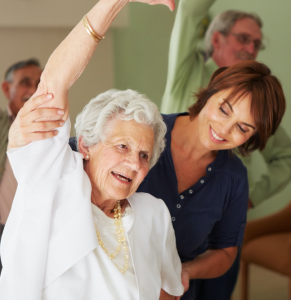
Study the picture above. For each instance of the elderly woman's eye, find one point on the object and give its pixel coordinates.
(144, 156)
(122, 146)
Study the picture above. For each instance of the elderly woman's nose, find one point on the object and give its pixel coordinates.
(133, 161)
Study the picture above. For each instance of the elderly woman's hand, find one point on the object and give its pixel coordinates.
(169, 3)
(29, 125)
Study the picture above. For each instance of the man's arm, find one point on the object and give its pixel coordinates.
(277, 156)
(185, 66)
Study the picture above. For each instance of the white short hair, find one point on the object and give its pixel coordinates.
(126, 105)
(223, 23)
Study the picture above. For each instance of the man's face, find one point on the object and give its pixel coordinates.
(242, 43)
(23, 85)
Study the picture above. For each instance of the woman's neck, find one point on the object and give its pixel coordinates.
(107, 206)
(185, 136)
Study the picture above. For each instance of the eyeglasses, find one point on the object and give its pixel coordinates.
(245, 39)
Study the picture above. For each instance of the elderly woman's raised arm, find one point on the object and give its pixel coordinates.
(70, 58)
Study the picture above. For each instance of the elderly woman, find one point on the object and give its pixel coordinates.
(77, 229)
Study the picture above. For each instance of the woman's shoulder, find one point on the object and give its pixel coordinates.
(231, 164)
(170, 119)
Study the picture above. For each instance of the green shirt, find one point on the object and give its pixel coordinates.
(188, 71)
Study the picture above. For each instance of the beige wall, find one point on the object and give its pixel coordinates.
(18, 44)
(34, 28)
(49, 14)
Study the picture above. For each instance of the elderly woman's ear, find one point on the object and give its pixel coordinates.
(83, 149)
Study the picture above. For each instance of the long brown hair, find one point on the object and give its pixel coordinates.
(248, 78)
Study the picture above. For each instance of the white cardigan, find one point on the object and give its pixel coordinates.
(50, 227)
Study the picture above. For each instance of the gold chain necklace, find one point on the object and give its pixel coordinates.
(120, 238)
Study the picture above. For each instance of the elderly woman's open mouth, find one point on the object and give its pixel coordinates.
(121, 177)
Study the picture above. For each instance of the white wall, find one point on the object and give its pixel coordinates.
(18, 44)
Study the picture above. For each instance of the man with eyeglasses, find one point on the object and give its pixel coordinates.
(232, 37)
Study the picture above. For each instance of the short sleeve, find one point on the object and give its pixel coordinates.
(229, 230)
(171, 264)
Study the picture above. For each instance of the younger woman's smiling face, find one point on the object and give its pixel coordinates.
(225, 124)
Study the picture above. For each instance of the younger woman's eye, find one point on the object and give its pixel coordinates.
(241, 129)
(223, 111)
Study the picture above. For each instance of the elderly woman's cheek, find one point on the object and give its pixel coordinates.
(98, 167)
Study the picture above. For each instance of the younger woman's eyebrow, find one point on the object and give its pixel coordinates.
(232, 111)
(249, 125)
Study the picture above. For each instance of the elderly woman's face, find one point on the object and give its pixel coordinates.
(118, 166)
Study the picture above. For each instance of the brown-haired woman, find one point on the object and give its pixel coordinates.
(203, 184)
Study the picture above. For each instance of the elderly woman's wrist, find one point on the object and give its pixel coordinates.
(103, 14)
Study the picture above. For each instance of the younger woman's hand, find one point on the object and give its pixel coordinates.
(185, 277)
(165, 296)
(27, 126)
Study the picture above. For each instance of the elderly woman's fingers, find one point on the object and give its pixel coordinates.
(169, 3)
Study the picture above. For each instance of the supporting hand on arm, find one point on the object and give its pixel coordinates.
(211, 264)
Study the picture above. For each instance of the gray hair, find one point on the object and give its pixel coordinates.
(20, 65)
(223, 23)
(126, 105)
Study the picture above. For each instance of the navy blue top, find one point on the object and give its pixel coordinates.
(213, 210)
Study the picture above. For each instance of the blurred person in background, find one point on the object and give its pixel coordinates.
(233, 36)
(20, 83)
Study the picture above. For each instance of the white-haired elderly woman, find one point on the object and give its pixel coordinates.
(77, 229)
